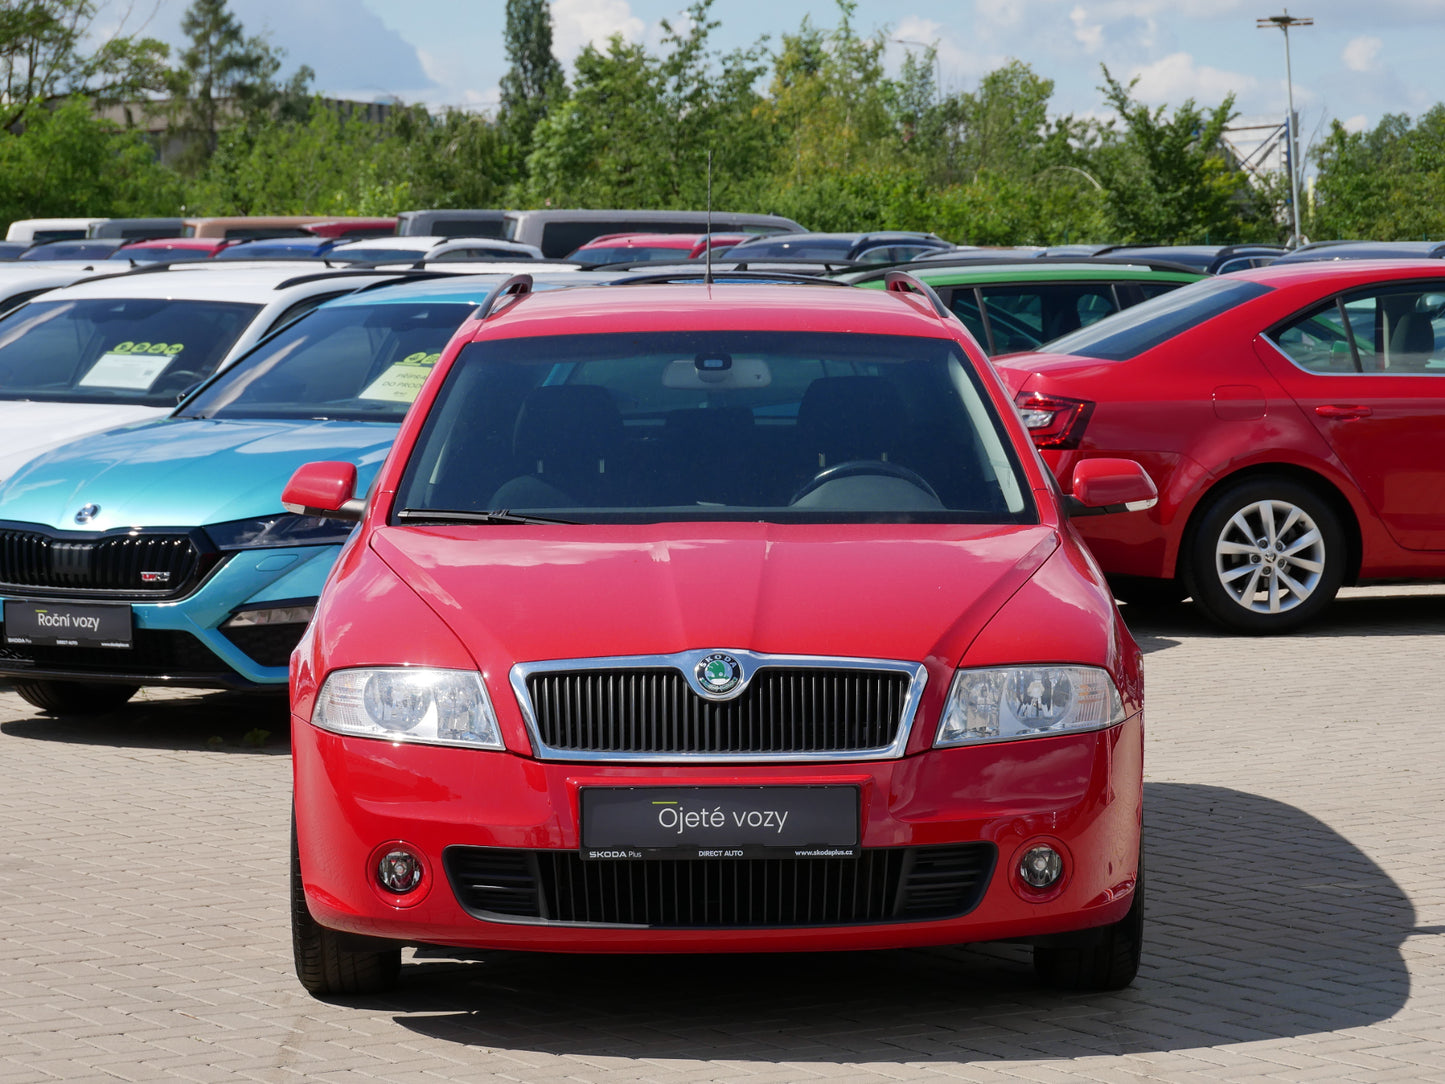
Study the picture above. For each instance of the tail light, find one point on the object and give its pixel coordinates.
(1052, 420)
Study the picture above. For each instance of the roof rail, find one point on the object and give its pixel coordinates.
(516, 286)
(904, 283)
(332, 273)
(413, 274)
(736, 276)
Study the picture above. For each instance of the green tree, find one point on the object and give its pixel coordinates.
(330, 163)
(70, 163)
(224, 75)
(533, 84)
(1381, 184)
(42, 57)
(832, 106)
(637, 129)
(1167, 177)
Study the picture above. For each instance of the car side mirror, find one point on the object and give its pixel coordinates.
(1102, 486)
(326, 489)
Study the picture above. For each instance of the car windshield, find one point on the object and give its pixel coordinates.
(633, 254)
(159, 255)
(357, 362)
(741, 425)
(826, 249)
(1143, 327)
(377, 255)
(142, 351)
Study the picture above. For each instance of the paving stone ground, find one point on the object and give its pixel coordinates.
(1296, 917)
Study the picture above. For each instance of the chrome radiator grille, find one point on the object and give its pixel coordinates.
(782, 711)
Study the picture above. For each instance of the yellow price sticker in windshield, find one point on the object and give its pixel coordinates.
(402, 380)
(167, 349)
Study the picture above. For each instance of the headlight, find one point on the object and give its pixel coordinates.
(1027, 702)
(281, 529)
(438, 707)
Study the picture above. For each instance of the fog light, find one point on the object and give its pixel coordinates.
(399, 871)
(1041, 866)
(274, 615)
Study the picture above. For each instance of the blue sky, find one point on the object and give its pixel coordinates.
(1358, 62)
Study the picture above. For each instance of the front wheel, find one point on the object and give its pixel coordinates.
(328, 962)
(1266, 556)
(1096, 960)
(74, 697)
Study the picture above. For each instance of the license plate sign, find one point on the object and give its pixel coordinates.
(62, 624)
(719, 822)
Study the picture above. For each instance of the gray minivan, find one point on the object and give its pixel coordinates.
(451, 223)
(134, 229)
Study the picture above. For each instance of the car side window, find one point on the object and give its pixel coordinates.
(1392, 330)
(1399, 329)
(1320, 341)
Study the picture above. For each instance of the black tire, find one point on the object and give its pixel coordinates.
(1143, 593)
(1096, 960)
(1295, 564)
(74, 697)
(328, 962)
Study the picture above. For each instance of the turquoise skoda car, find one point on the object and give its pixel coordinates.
(159, 554)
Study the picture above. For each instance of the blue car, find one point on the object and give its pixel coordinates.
(159, 554)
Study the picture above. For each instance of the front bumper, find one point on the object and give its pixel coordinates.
(182, 642)
(355, 797)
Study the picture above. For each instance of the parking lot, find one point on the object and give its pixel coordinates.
(1294, 789)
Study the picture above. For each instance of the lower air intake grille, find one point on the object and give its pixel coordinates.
(156, 654)
(902, 884)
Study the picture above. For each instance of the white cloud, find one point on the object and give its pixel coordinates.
(576, 23)
(1360, 54)
(1000, 13)
(1177, 77)
(1089, 35)
(956, 65)
(1357, 124)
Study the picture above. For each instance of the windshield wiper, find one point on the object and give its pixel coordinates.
(444, 515)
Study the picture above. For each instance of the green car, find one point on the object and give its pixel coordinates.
(1020, 305)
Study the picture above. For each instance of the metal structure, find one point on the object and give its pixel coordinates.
(1284, 22)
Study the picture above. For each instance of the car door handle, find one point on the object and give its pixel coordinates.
(1335, 411)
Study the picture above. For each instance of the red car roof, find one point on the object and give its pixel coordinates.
(658, 240)
(762, 306)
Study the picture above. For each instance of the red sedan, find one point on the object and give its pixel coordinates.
(1293, 419)
(715, 619)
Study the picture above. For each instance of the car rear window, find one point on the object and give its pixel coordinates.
(351, 362)
(787, 427)
(115, 350)
(1143, 327)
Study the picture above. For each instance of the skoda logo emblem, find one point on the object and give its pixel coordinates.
(88, 513)
(719, 674)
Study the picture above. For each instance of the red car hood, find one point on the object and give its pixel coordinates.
(527, 593)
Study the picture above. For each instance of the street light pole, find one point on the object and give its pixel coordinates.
(1284, 22)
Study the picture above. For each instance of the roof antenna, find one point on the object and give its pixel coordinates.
(707, 240)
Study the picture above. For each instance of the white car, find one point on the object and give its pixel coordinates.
(124, 348)
(39, 230)
(20, 281)
(416, 249)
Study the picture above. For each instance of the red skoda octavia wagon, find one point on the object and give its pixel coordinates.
(714, 618)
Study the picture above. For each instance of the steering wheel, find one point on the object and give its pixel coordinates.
(855, 467)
